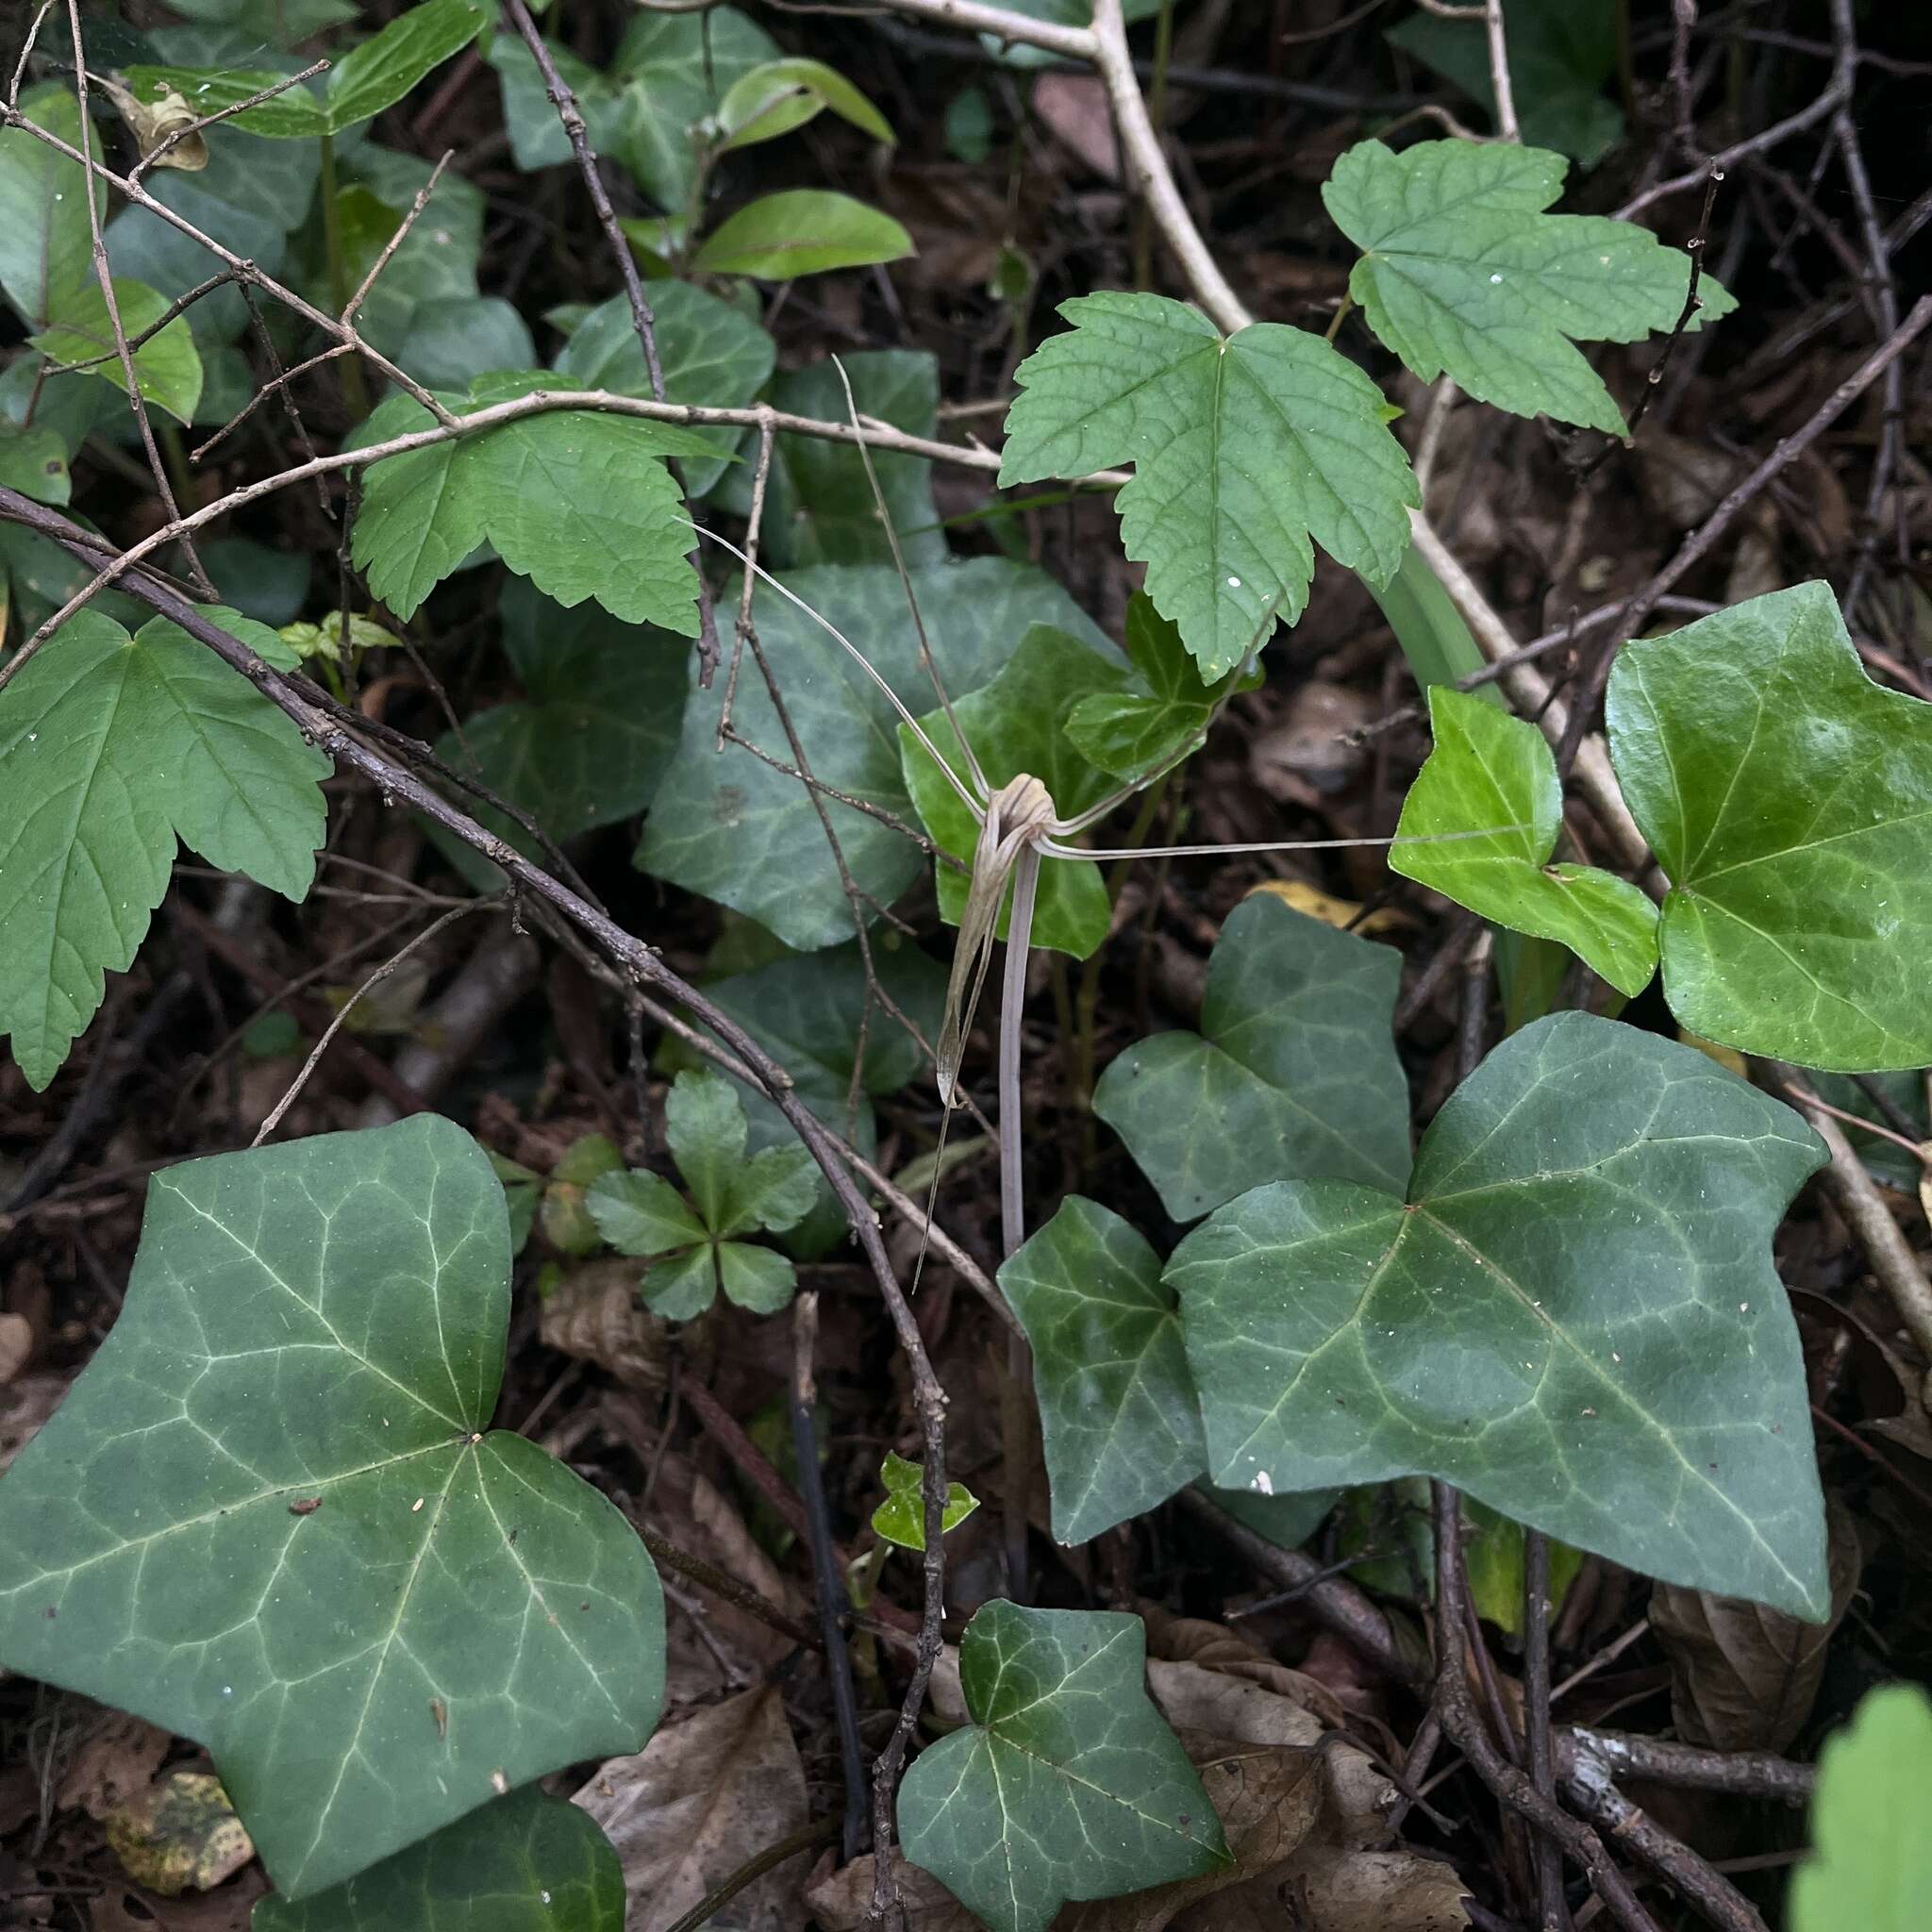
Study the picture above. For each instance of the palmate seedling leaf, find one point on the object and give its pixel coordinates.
(1244, 449)
(577, 501)
(728, 825)
(1013, 724)
(266, 1517)
(1788, 799)
(1463, 274)
(900, 1518)
(525, 1863)
(1572, 1315)
(111, 747)
(1068, 1783)
(1120, 1425)
(801, 231)
(1490, 768)
(1871, 1864)
(166, 366)
(1294, 1072)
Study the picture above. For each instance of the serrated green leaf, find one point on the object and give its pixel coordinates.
(641, 1213)
(725, 824)
(682, 1287)
(526, 1864)
(1243, 448)
(1463, 274)
(1119, 1421)
(900, 1519)
(1013, 724)
(1137, 733)
(780, 95)
(1871, 1864)
(1068, 1783)
(1788, 799)
(266, 1518)
(1296, 1073)
(166, 365)
(45, 244)
(760, 1279)
(112, 746)
(577, 501)
(773, 1190)
(705, 1129)
(1490, 769)
(1572, 1315)
(801, 231)
(34, 461)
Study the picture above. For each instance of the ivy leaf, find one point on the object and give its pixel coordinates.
(577, 501)
(1463, 274)
(1572, 1316)
(1067, 1784)
(1490, 768)
(525, 1863)
(1120, 1425)
(900, 1518)
(1789, 800)
(166, 365)
(727, 826)
(1871, 1864)
(45, 244)
(1013, 724)
(1243, 449)
(780, 95)
(266, 1517)
(1294, 1072)
(112, 746)
(801, 231)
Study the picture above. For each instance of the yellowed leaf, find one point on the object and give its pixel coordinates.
(180, 1834)
(1727, 1057)
(1331, 911)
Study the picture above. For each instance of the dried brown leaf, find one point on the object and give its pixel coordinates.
(114, 1763)
(16, 1346)
(593, 1315)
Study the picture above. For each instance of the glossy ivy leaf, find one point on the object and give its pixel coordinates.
(1120, 1425)
(1572, 1315)
(1067, 1784)
(1244, 449)
(525, 1863)
(1462, 274)
(801, 231)
(266, 1518)
(1871, 1863)
(641, 1213)
(45, 245)
(166, 365)
(112, 746)
(1294, 1072)
(710, 353)
(727, 826)
(1788, 799)
(1561, 53)
(780, 95)
(1490, 769)
(373, 75)
(577, 501)
(1013, 724)
(900, 1518)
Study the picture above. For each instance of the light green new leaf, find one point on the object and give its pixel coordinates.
(1462, 274)
(166, 365)
(577, 501)
(705, 1129)
(266, 1517)
(801, 231)
(728, 825)
(1572, 1316)
(1119, 1421)
(779, 95)
(1296, 1073)
(1243, 448)
(112, 746)
(1871, 1864)
(1490, 769)
(1068, 1783)
(1788, 799)
(45, 245)
(900, 1518)
(525, 1863)
(1013, 724)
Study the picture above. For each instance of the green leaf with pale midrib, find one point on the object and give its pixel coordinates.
(45, 243)
(167, 367)
(1788, 799)
(324, 1323)
(1572, 1315)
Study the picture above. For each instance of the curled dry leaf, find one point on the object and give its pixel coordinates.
(180, 1834)
(115, 1759)
(707, 1794)
(593, 1315)
(156, 122)
(16, 1346)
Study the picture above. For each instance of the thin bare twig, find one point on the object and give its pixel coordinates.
(162, 149)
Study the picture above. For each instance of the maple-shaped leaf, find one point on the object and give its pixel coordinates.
(1462, 274)
(1245, 447)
